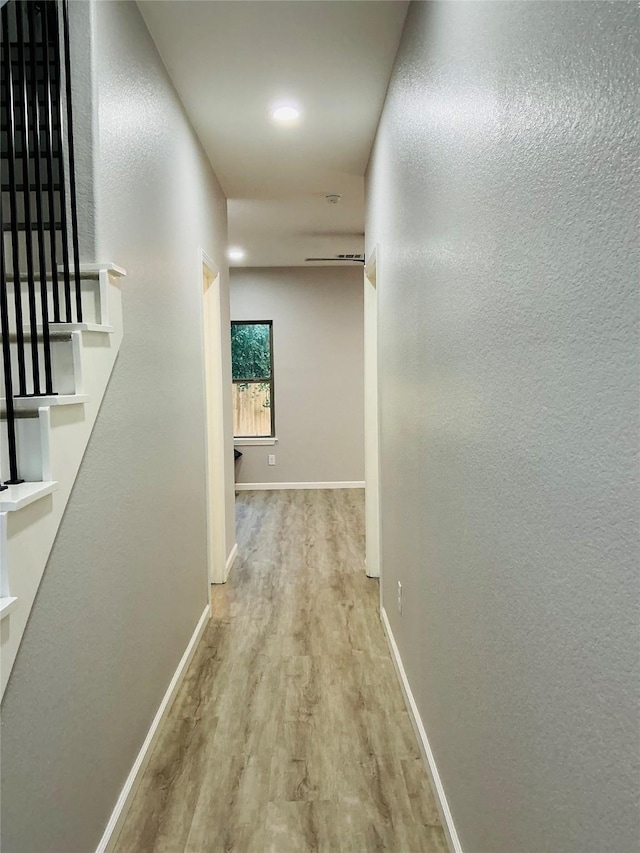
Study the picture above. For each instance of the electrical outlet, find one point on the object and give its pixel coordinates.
(272, 459)
(399, 597)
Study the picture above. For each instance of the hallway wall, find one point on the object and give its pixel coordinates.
(318, 335)
(126, 581)
(501, 196)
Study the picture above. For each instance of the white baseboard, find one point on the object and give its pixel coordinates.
(230, 561)
(425, 748)
(341, 484)
(112, 830)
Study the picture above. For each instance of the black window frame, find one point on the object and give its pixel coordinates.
(269, 381)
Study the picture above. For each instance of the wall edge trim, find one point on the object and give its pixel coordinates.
(425, 748)
(124, 801)
(230, 560)
(339, 484)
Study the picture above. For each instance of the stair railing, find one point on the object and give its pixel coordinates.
(40, 283)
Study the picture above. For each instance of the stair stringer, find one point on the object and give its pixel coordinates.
(27, 534)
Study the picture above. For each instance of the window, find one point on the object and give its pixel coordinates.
(252, 373)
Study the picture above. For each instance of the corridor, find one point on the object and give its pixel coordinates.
(289, 733)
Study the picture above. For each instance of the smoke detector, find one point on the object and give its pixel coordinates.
(333, 198)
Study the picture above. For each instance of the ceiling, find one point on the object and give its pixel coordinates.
(233, 60)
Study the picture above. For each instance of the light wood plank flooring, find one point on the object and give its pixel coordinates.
(289, 733)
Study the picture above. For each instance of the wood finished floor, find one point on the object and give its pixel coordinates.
(289, 733)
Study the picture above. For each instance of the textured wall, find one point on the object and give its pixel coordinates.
(318, 336)
(126, 581)
(502, 197)
(85, 126)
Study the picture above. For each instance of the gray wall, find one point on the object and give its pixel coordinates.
(501, 193)
(318, 339)
(126, 581)
(85, 127)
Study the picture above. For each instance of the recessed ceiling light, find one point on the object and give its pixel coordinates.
(285, 113)
(235, 253)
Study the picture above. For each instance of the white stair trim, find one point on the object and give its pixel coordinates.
(28, 404)
(86, 271)
(20, 496)
(7, 604)
(28, 524)
(57, 328)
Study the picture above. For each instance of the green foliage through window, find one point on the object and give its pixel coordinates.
(252, 373)
(251, 351)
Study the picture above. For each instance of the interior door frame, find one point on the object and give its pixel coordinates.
(371, 416)
(210, 301)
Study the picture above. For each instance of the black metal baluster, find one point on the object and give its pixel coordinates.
(59, 141)
(72, 164)
(42, 264)
(8, 381)
(9, 101)
(4, 304)
(26, 191)
(49, 159)
(6, 347)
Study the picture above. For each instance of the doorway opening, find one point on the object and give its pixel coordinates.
(371, 431)
(213, 379)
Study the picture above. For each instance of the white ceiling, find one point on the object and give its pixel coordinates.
(231, 60)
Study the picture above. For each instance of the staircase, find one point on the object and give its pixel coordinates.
(60, 320)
